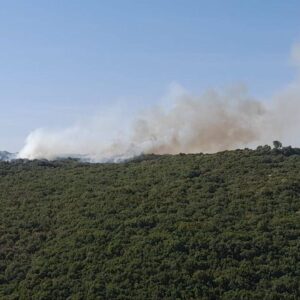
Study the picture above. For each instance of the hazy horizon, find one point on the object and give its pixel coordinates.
(71, 71)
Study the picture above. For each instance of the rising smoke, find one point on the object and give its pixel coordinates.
(211, 122)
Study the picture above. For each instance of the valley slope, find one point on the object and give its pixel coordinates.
(197, 226)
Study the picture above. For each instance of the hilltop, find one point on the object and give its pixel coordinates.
(5, 155)
(197, 226)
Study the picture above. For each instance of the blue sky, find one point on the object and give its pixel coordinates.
(61, 60)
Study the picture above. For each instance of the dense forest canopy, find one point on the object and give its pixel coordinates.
(197, 226)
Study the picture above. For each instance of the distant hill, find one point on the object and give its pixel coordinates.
(197, 226)
(4, 155)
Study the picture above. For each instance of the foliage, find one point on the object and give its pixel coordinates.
(197, 226)
(277, 144)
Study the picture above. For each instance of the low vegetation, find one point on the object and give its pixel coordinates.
(197, 226)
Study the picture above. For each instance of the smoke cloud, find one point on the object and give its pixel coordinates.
(213, 121)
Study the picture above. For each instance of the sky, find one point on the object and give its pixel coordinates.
(65, 60)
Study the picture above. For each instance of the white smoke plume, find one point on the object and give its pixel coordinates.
(211, 122)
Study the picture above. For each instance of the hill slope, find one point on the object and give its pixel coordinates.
(221, 226)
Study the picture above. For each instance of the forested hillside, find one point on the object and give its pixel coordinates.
(197, 226)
